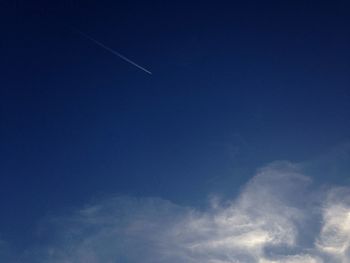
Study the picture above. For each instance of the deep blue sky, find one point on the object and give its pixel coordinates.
(234, 86)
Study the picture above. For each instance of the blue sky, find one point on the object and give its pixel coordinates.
(235, 87)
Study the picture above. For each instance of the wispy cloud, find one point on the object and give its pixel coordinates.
(4, 251)
(334, 238)
(279, 216)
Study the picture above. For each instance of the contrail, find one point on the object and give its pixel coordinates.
(113, 51)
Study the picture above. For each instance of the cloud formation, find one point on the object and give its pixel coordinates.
(278, 217)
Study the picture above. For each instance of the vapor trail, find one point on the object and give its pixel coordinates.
(113, 51)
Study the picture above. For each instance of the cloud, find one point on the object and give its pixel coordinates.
(334, 238)
(278, 217)
(4, 251)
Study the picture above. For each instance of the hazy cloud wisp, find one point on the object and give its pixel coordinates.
(279, 216)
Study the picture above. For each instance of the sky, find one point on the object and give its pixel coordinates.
(235, 149)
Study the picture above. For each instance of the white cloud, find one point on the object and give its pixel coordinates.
(334, 238)
(278, 217)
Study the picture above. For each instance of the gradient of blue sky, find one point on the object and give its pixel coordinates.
(235, 86)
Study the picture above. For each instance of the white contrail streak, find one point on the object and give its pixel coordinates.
(113, 52)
